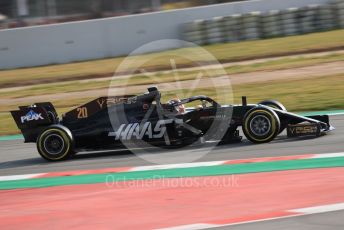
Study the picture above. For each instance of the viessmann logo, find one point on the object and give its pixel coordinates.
(31, 116)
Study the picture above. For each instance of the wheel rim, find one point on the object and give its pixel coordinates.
(260, 125)
(54, 144)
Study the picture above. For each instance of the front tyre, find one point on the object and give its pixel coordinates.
(54, 144)
(261, 125)
(273, 104)
(276, 105)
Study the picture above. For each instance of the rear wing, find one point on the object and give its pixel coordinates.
(32, 119)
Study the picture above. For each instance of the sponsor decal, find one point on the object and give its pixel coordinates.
(31, 116)
(82, 112)
(137, 131)
(304, 130)
(300, 130)
(103, 102)
(217, 116)
(131, 100)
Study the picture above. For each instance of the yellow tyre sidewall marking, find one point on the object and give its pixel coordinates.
(65, 138)
(273, 124)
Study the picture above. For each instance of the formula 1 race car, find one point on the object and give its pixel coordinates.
(120, 121)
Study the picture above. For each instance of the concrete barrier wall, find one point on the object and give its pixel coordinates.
(102, 38)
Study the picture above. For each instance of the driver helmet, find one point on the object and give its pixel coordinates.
(180, 108)
(198, 107)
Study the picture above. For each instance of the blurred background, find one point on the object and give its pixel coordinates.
(19, 13)
(67, 51)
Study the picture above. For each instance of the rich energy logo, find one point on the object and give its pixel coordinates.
(31, 116)
(304, 130)
(128, 131)
(102, 102)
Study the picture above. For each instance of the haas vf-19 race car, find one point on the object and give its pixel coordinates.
(119, 121)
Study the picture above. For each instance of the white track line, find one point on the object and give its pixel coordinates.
(293, 213)
(328, 155)
(179, 166)
(192, 227)
(19, 177)
(320, 209)
(176, 166)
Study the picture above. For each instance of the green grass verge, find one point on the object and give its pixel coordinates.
(321, 93)
(223, 52)
(162, 77)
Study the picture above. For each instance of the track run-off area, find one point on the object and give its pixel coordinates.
(241, 186)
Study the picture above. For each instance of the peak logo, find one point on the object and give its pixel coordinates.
(31, 116)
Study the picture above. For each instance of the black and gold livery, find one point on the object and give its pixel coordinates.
(110, 122)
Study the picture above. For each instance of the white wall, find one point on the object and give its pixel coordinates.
(77, 41)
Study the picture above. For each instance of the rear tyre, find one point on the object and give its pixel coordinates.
(276, 105)
(54, 144)
(261, 125)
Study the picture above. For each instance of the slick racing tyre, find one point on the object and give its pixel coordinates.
(273, 104)
(54, 144)
(261, 125)
(276, 105)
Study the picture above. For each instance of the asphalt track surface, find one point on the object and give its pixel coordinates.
(323, 221)
(19, 158)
